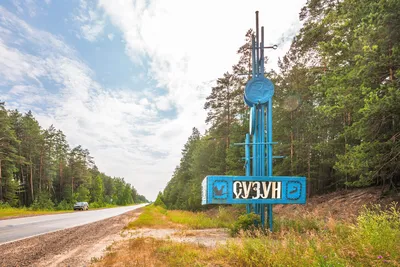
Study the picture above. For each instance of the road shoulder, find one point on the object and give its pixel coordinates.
(70, 247)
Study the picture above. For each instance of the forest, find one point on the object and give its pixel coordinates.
(38, 169)
(336, 110)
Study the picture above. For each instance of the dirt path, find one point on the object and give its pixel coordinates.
(71, 247)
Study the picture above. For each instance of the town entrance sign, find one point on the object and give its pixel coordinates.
(259, 189)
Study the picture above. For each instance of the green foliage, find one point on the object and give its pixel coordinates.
(152, 216)
(96, 205)
(4, 205)
(156, 216)
(38, 168)
(43, 202)
(199, 220)
(97, 189)
(306, 241)
(65, 205)
(373, 241)
(159, 201)
(380, 229)
(336, 112)
(82, 194)
(302, 225)
(246, 223)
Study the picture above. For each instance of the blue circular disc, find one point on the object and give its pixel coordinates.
(247, 101)
(252, 122)
(259, 90)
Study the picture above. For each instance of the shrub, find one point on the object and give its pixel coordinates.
(300, 225)
(159, 201)
(4, 205)
(379, 228)
(43, 202)
(248, 223)
(96, 205)
(65, 205)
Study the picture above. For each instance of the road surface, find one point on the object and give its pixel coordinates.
(20, 228)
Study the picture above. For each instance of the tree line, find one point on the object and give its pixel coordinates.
(336, 109)
(39, 169)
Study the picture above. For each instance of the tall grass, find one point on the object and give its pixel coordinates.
(156, 216)
(152, 216)
(20, 212)
(201, 220)
(374, 240)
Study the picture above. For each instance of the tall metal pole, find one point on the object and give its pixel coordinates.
(262, 51)
(257, 45)
(270, 156)
(247, 154)
(253, 55)
(248, 165)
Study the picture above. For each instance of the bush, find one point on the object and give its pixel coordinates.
(4, 205)
(248, 223)
(379, 228)
(301, 225)
(65, 205)
(43, 202)
(159, 201)
(96, 205)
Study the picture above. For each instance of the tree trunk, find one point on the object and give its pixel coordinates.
(61, 178)
(1, 185)
(24, 183)
(309, 173)
(291, 144)
(229, 119)
(40, 172)
(390, 62)
(31, 178)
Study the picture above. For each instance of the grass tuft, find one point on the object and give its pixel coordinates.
(158, 217)
(374, 240)
(9, 212)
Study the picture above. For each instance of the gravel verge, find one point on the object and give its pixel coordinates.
(76, 246)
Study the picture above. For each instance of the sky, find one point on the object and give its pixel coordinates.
(127, 79)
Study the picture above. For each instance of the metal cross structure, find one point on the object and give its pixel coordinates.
(259, 189)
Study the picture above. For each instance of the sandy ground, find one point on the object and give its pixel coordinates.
(205, 237)
(76, 246)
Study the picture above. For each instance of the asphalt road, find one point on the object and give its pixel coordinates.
(20, 228)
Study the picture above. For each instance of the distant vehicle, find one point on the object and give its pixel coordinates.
(81, 206)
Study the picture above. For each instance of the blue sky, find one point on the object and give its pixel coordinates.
(127, 79)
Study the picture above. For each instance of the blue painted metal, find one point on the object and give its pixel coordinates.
(247, 102)
(259, 188)
(221, 189)
(247, 154)
(252, 121)
(259, 90)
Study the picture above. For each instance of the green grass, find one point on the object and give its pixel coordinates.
(373, 240)
(9, 212)
(152, 216)
(21, 212)
(201, 220)
(158, 217)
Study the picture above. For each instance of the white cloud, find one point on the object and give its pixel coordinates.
(189, 44)
(90, 21)
(111, 123)
(32, 7)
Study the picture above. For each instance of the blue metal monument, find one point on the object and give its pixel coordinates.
(258, 188)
